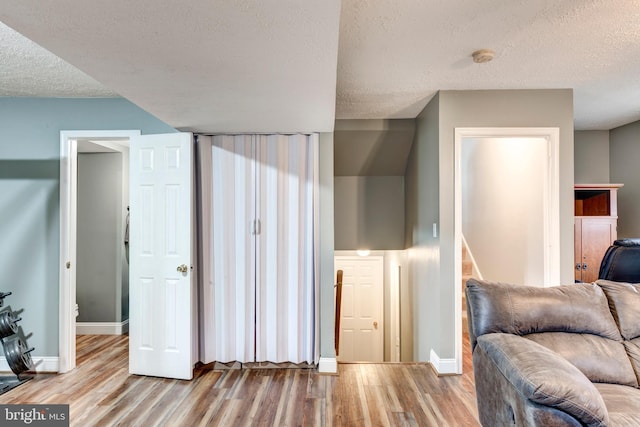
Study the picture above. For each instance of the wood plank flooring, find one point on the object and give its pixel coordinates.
(100, 392)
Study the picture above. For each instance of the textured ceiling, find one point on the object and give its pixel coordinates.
(26, 69)
(202, 65)
(394, 55)
(267, 65)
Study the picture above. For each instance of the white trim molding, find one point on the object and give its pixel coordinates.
(443, 366)
(475, 271)
(328, 365)
(41, 364)
(67, 261)
(551, 212)
(102, 328)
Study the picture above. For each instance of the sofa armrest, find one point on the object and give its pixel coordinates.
(544, 377)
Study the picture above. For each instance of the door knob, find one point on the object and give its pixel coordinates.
(375, 325)
(183, 268)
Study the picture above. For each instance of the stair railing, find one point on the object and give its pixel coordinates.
(338, 287)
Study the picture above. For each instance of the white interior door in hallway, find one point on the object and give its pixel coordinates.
(162, 289)
(362, 313)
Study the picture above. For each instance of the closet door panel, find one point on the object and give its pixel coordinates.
(232, 250)
(285, 306)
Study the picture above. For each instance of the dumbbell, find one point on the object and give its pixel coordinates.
(18, 356)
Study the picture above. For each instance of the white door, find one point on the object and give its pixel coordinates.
(362, 313)
(161, 285)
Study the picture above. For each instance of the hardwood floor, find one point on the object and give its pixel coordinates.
(101, 393)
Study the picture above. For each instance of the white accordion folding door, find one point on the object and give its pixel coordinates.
(259, 272)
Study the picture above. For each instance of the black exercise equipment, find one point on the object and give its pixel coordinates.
(8, 324)
(16, 351)
(18, 356)
(621, 262)
(3, 295)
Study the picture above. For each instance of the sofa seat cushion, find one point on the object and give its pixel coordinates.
(622, 402)
(600, 359)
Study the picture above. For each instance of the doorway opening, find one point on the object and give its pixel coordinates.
(506, 187)
(371, 315)
(102, 270)
(72, 145)
(362, 309)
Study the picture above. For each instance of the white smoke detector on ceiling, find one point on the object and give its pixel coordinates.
(483, 55)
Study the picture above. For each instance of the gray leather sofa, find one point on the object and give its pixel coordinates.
(560, 356)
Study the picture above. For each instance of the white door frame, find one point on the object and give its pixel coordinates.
(551, 199)
(68, 234)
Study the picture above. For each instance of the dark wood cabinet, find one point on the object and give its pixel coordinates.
(595, 227)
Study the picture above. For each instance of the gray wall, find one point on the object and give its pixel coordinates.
(99, 237)
(591, 156)
(327, 309)
(421, 211)
(369, 147)
(624, 143)
(29, 206)
(430, 195)
(369, 212)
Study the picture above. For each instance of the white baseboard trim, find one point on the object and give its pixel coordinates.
(41, 364)
(443, 366)
(328, 365)
(102, 328)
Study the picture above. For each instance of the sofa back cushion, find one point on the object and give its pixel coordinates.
(624, 302)
(517, 309)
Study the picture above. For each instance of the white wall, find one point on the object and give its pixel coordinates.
(502, 206)
(406, 306)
